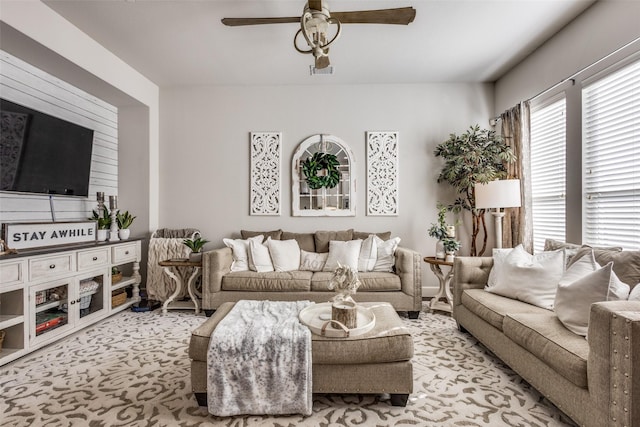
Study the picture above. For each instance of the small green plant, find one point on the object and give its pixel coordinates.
(124, 220)
(450, 245)
(195, 244)
(115, 270)
(439, 229)
(104, 221)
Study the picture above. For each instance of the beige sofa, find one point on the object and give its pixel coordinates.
(402, 288)
(596, 382)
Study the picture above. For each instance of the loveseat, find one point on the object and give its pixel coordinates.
(595, 381)
(402, 287)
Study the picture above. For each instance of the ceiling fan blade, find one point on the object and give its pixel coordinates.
(236, 22)
(399, 16)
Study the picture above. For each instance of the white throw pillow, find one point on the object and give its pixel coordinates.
(312, 261)
(240, 251)
(259, 258)
(499, 256)
(634, 295)
(368, 254)
(345, 253)
(583, 284)
(285, 254)
(532, 278)
(386, 254)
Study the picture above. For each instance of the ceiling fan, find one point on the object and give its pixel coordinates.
(315, 21)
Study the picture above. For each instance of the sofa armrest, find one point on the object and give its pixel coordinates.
(215, 264)
(409, 268)
(613, 368)
(469, 273)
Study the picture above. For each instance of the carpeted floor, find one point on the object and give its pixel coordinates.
(132, 369)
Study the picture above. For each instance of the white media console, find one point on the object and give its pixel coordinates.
(50, 293)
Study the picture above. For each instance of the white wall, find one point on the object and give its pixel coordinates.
(204, 151)
(597, 32)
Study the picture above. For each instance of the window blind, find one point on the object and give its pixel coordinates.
(611, 138)
(548, 172)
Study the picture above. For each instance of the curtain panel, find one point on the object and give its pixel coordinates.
(518, 222)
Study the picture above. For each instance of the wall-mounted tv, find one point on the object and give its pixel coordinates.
(43, 154)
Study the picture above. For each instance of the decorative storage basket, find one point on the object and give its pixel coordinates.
(115, 278)
(2, 334)
(118, 299)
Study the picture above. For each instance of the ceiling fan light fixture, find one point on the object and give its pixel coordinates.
(321, 71)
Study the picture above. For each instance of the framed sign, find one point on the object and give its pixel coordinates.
(30, 235)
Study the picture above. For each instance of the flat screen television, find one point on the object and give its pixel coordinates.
(43, 154)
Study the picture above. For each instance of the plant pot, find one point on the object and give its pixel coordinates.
(124, 233)
(195, 257)
(102, 235)
(440, 254)
(450, 257)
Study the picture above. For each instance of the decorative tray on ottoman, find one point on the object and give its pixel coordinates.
(318, 318)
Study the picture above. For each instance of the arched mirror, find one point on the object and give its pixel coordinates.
(323, 176)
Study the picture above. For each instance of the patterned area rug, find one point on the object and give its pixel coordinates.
(133, 370)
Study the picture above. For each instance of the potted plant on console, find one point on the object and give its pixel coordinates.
(124, 219)
(196, 246)
(103, 223)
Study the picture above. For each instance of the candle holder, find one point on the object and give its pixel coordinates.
(113, 232)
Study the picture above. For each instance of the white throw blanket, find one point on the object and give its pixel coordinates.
(259, 361)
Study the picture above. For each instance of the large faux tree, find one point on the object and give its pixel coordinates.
(478, 155)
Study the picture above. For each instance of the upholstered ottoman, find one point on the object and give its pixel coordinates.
(373, 363)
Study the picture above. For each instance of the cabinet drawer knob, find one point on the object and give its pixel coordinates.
(126, 252)
(78, 300)
(52, 266)
(72, 302)
(95, 258)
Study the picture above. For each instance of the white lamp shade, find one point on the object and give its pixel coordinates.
(504, 193)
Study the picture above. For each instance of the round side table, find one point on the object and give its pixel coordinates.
(444, 291)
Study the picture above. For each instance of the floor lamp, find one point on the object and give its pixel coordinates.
(497, 195)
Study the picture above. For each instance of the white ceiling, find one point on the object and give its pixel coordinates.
(177, 43)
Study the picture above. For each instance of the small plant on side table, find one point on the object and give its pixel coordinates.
(196, 246)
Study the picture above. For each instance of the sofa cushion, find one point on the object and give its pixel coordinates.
(626, 264)
(370, 282)
(343, 253)
(275, 234)
(363, 235)
(312, 261)
(306, 241)
(532, 278)
(492, 308)
(285, 254)
(276, 281)
(545, 337)
(583, 284)
(322, 238)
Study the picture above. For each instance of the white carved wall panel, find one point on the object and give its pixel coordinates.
(382, 173)
(266, 150)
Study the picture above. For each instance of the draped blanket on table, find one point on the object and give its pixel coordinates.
(259, 361)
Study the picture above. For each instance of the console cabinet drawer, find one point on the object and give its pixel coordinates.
(11, 273)
(44, 268)
(124, 253)
(91, 259)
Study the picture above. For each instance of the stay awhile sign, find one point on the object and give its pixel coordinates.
(36, 235)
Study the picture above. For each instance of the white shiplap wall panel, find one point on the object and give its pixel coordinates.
(26, 85)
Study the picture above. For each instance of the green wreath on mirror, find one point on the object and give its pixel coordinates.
(321, 161)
